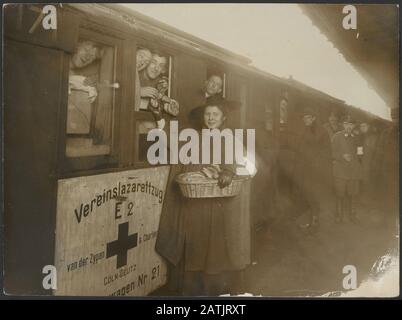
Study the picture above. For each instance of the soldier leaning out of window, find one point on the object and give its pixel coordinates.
(83, 77)
(213, 86)
(154, 86)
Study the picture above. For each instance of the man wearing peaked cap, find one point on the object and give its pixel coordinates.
(348, 119)
(347, 169)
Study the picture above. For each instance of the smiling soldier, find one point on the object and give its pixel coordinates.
(143, 58)
(149, 78)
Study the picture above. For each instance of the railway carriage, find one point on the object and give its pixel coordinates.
(79, 193)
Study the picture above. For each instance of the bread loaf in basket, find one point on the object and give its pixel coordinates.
(197, 185)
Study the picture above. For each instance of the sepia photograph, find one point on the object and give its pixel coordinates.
(201, 150)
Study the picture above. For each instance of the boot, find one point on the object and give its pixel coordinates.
(352, 212)
(339, 211)
(307, 226)
(313, 225)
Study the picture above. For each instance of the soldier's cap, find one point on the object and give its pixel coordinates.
(348, 119)
(308, 112)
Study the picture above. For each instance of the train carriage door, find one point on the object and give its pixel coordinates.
(33, 69)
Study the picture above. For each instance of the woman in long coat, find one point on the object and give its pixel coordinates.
(207, 239)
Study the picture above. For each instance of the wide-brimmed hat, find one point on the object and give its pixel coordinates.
(225, 105)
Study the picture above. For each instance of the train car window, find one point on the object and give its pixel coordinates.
(269, 118)
(91, 99)
(285, 126)
(154, 74)
(215, 84)
(283, 111)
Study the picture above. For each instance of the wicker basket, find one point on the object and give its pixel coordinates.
(208, 188)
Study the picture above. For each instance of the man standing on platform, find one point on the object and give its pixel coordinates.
(313, 167)
(332, 126)
(347, 170)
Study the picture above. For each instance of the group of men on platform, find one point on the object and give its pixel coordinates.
(349, 160)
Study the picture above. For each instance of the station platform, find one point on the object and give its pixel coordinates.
(291, 262)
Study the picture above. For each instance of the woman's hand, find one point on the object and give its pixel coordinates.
(225, 178)
(172, 107)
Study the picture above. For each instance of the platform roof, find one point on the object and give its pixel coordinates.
(372, 49)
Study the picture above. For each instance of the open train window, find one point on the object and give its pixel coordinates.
(215, 84)
(284, 137)
(283, 109)
(269, 117)
(91, 96)
(154, 74)
(154, 78)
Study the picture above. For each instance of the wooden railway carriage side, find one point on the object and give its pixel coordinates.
(79, 193)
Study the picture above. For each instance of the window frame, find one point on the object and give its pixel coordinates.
(143, 115)
(221, 71)
(86, 163)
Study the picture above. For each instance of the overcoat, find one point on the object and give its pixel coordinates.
(313, 170)
(210, 235)
(343, 143)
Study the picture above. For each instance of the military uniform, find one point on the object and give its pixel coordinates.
(347, 174)
(331, 130)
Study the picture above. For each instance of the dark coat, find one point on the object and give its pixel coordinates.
(346, 144)
(386, 170)
(331, 131)
(211, 234)
(313, 160)
(369, 142)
